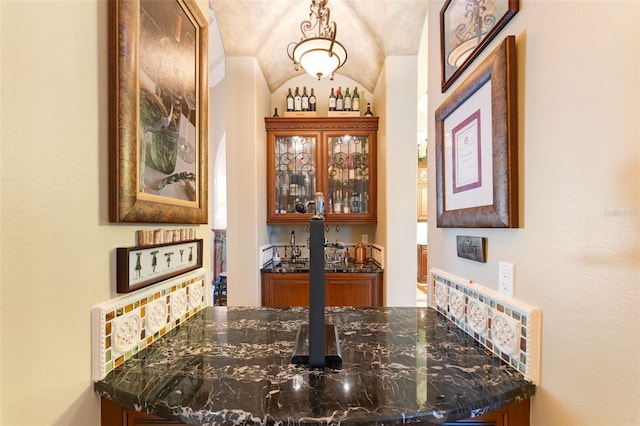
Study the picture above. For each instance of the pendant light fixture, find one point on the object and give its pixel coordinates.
(318, 52)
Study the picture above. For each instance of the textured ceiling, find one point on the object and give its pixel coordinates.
(368, 29)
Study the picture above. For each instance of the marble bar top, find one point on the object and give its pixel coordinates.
(233, 366)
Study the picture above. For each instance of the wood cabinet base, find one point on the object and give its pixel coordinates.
(342, 289)
(512, 415)
(114, 414)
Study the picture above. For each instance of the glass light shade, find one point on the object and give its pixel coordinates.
(314, 56)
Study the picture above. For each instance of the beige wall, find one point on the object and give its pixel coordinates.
(577, 253)
(397, 88)
(247, 103)
(576, 256)
(58, 247)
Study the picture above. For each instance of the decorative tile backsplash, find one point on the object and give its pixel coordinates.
(507, 327)
(266, 252)
(124, 326)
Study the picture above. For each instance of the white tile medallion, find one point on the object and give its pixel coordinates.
(196, 293)
(156, 316)
(456, 303)
(506, 333)
(127, 331)
(178, 304)
(442, 295)
(477, 316)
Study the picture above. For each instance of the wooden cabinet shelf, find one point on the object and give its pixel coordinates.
(333, 155)
(341, 289)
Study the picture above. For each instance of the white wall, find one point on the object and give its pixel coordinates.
(577, 253)
(247, 104)
(57, 245)
(397, 192)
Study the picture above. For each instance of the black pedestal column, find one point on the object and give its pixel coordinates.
(317, 343)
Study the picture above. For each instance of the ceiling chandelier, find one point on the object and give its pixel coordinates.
(318, 52)
(479, 21)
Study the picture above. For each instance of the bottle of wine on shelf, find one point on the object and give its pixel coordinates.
(297, 100)
(368, 112)
(305, 99)
(339, 100)
(347, 100)
(355, 100)
(355, 202)
(289, 101)
(332, 101)
(312, 101)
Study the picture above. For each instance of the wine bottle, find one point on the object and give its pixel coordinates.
(332, 101)
(312, 101)
(368, 112)
(339, 100)
(337, 205)
(355, 100)
(297, 100)
(289, 101)
(347, 100)
(355, 202)
(305, 99)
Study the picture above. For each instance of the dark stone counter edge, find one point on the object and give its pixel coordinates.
(229, 416)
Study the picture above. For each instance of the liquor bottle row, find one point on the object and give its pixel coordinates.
(301, 101)
(344, 102)
(354, 203)
(338, 101)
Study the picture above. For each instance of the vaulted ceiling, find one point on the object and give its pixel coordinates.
(370, 30)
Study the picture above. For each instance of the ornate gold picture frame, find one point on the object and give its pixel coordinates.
(158, 94)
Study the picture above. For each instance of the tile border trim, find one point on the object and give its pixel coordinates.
(124, 326)
(507, 327)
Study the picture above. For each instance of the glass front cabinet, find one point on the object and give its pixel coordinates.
(332, 155)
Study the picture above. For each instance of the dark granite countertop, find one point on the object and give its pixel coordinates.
(303, 266)
(232, 366)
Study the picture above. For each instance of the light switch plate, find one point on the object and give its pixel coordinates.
(506, 279)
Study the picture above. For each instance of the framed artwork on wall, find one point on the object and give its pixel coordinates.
(466, 28)
(158, 94)
(141, 266)
(477, 147)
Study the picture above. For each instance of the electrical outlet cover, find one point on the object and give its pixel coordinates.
(506, 279)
